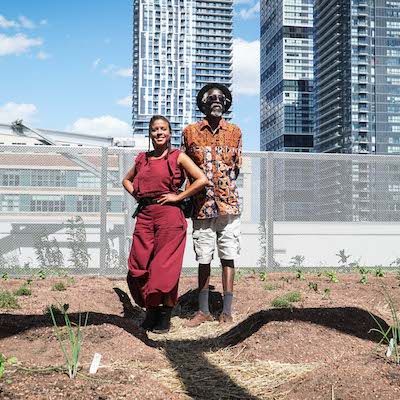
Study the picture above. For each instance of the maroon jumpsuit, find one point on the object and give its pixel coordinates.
(155, 260)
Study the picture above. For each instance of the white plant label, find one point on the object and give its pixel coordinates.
(94, 366)
(390, 348)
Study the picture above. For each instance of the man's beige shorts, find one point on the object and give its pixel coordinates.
(223, 231)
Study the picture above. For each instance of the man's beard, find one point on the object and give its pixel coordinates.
(216, 111)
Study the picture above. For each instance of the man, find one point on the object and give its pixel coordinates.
(215, 146)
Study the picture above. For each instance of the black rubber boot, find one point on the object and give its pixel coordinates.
(164, 321)
(151, 319)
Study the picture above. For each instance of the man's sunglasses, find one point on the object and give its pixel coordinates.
(216, 97)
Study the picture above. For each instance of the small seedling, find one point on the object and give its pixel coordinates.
(42, 274)
(327, 294)
(8, 300)
(300, 275)
(313, 286)
(59, 287)
(263, 276)
(238, 275)
(391, 335)
(2, 364)
(269, 286)
(379, 273)
(364, 275)
(286, 300)
(75, 339)
(4, 276)
(332, 276)
(23, 290)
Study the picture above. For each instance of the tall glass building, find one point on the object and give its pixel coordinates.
(178, 46)
(357, 76)
(286, 75)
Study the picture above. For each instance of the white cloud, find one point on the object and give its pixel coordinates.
(246, 67)
(13, 111)
(25, 22)
(43, 55)
(112, 69)
(251, 12)
(105, 125)
(125, 101)
(125, 72)
(17, 44)
(96, 62)
(5, 23)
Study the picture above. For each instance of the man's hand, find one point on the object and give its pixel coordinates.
(169, 198)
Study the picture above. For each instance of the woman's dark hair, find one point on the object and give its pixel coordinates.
(155, 118)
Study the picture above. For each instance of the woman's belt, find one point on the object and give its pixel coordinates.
(142, 203)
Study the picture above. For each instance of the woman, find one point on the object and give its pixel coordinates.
(155, 260)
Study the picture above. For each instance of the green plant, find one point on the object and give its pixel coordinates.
(54, 309)
(23, 290)
(300, 275)
(297, 261)
(41, 274)
(286, 300)
(379, 273)
(238, 275)
(313, 286)
(327, 294)
(2, 364)
(4, 276)
(8, 300)
(269, 286)
(364, 275)
(263, 276)
(76, 232)
(391, 335)
(59, 286)
(332, 276)
(75, 339)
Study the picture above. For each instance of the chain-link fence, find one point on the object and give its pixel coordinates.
(64, 208)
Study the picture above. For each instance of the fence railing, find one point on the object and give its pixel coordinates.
(64, 208)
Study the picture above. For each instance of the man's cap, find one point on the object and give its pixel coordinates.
(227, 93)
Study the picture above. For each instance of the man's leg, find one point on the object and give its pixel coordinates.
(204, 243)
(228, 276)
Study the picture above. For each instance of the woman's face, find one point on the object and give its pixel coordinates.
(159, 133)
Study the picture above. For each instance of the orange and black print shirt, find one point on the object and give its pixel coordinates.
(219, 155)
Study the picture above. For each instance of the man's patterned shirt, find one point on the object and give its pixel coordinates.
(219, 155)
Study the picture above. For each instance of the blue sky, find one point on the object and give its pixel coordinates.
(66, 65)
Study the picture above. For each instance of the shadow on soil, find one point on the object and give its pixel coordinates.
(185, 354)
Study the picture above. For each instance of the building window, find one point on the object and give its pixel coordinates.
(88, 203)
(10, 179)
(88, 180)
(48, 178)
(10, 203)
(43, 203)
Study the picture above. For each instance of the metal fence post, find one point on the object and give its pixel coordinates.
(269, 221)
(103, 210)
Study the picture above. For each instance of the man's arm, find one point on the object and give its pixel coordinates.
(238, 159)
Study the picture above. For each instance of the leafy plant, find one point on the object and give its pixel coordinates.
(238, 275)
(391, 335)
(23, 290)
(286, 300)
(332, 276)
(297, 261)
(75, 338)
(327, 294)
(59, 286)
(76, 232)
(364, 275)
(313, 286)
(4, 276)
(42, 274)
(269, 286)
(379, 273)
(263, 276)
(300, 275)
(2, 364)
(8, 300)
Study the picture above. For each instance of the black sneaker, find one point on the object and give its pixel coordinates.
(164, 322)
